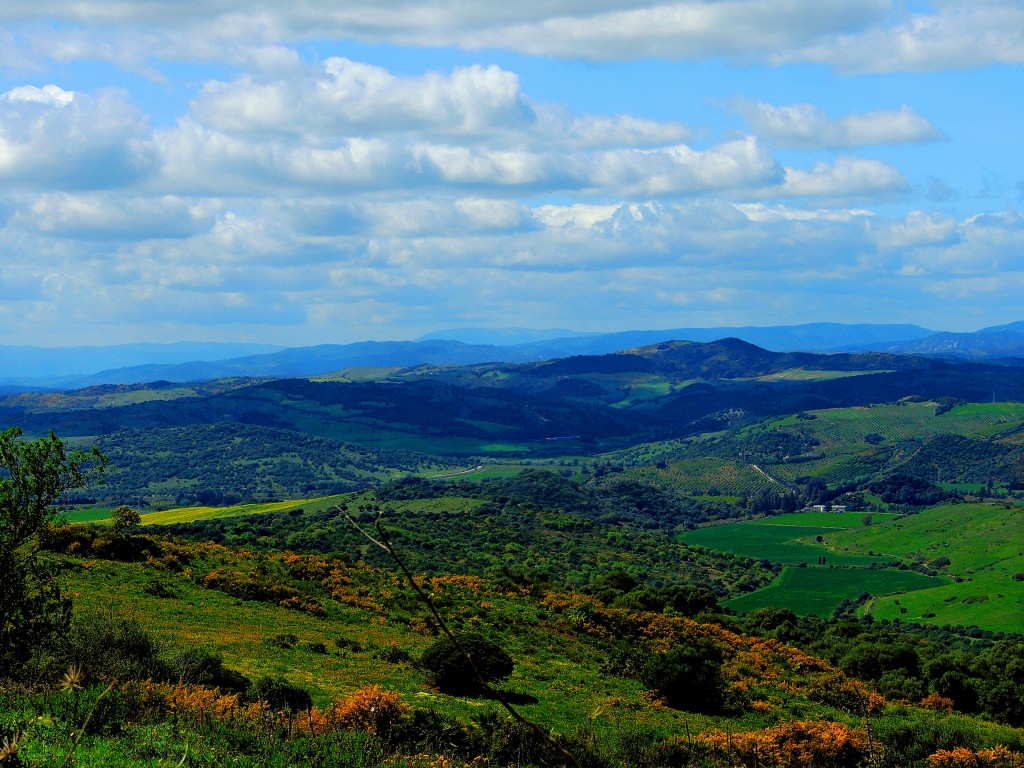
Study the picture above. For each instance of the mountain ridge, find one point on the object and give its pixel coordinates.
(31, 368)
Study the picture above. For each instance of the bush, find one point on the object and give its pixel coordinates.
(451, 673)
(689, 676)
(197, 666)
(279, 694)
(105, 646)
(124, 518)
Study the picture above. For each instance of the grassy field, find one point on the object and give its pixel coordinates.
(900, 421)
(985, 548)
(977, 549)
(803, 374)
(780, 540)
(818, 590)
(562, 676)
(192, 514)
(794, 540)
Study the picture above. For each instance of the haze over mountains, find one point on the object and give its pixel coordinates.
(73, 367)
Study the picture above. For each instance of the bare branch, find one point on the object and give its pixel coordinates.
(385, 543)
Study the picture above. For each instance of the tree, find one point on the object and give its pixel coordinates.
(33, 476)
(124, 518)
(451, 672)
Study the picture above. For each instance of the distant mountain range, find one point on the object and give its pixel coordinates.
(27, 368)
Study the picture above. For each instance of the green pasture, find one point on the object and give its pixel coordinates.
(984, 545)
(768, 539)
(93, 515)
(481, 472)
(975, 537)
(900, 421)
(829, 519)
(819, 589)
(803, 374)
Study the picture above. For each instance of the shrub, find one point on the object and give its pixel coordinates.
(371, 709)
(282, 640)
(451, 673)
(197, 666)
(109, 646)
(279, 694)
(689, 676)
(800, 743)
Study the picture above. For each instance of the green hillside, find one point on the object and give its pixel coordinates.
(974, 551)
(984, 549)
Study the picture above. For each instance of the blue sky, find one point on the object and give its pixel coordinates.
(309, 172)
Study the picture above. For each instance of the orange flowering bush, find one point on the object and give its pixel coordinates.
(310, 567)
(797, 744)
(961, 757)
(372, 709)
(845, 694)
(936, 702)
(198, 702)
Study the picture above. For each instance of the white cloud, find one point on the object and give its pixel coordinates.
(52, 138)
(846, 177)
(341, 97)
(805, 126)
(917, 229)
(114, 217)
(960, 35)
(854, 35)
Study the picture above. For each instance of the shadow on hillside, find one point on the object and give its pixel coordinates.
(517, 698)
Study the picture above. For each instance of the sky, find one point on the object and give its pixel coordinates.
(327, 172)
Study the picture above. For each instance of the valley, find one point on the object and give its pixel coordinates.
(775, 518)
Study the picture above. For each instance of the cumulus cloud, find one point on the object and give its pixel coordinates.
(105, 216)
(846, 177)
(344, 127)
(805, 126)
(960, 35)
(52, 138)
(855, 35)
(343, 97)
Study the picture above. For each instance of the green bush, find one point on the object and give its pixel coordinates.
(689, 676)
(106, 646)
(279, 694)
(452, 674)
(198, 666)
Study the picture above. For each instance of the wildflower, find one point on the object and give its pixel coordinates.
(9, 748)
(72, 679)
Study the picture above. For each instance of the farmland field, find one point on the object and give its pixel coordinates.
(901, 421)
(787, 543)
(985, 549)
(817, 590)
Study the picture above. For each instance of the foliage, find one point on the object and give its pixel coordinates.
(814, 744)
(34, 474)
(451, 673)
(108, 646)
(201, 666)
(124, 518)
(688, 676)
(552, 522)
(279, 694)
